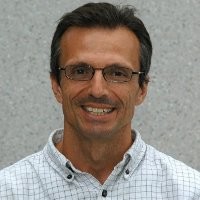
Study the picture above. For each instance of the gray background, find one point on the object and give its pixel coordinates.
(170, 117)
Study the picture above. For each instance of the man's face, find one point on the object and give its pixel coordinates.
(98, 108)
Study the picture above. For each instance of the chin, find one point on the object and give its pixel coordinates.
(96, 133)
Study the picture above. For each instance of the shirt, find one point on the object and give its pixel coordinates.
(144, 173)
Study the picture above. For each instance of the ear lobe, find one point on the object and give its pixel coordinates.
(56, 89)
(141, 94)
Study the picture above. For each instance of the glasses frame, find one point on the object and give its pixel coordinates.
(102, 69)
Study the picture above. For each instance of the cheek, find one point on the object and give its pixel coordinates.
(126, 96)
(126, 99)
(130, 102)
(130, 97)
(67, 96)
(71, 92)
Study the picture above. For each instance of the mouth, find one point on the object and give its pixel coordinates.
(97, 111)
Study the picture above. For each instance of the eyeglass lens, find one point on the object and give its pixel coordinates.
(111, 73)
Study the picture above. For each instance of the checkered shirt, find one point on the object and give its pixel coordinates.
(144, 173)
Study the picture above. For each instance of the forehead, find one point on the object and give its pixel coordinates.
(99, 46)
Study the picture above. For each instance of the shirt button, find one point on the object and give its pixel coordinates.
(104, 193)
(127, 171)
(69, 176)
(127, 174)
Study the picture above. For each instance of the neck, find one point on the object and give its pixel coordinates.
(95, 156)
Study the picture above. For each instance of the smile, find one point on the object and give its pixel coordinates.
(98, 111)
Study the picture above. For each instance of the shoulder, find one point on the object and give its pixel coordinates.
(23, 164)
(172, 172)
(21, 173)
(170, 165)
(166, 161)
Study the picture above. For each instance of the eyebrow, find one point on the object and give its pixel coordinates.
(117, 64)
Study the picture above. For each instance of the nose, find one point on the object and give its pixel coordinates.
(98, 85)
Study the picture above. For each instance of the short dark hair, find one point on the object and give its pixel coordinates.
(103, 15)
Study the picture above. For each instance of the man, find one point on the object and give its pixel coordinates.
(100, 59)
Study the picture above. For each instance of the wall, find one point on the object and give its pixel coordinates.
(170, 117)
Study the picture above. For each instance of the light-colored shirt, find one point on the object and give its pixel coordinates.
(144, 173)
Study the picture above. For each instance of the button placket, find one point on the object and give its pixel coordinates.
(70, 176)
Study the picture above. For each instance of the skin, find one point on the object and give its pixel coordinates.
(96, 143)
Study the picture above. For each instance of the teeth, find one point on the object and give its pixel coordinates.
(98, 111)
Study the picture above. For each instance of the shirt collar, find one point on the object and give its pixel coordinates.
(59, 162)
(135, 154)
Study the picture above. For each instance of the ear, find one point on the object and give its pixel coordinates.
(142, 92)
(56, 89)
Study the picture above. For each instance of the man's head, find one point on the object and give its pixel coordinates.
(103, 15)
(99, 69)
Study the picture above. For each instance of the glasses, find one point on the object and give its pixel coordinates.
(113, 73)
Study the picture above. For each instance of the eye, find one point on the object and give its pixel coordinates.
(79, 72)
(115, 71)
(118, 73)
(80, 69)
